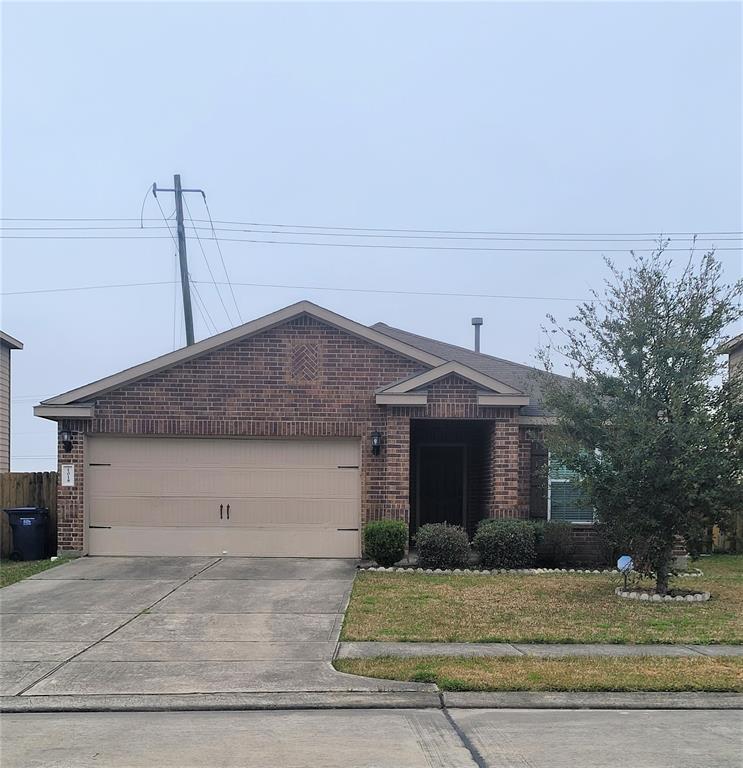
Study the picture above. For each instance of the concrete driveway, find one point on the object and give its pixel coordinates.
(175, 625)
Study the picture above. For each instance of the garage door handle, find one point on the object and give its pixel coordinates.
(228, 511)
(221, 508)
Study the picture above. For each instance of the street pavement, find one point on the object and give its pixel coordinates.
(427, 738)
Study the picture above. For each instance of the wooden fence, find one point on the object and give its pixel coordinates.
(28, 489)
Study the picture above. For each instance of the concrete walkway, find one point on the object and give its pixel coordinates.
(408, 650)
(177, 625)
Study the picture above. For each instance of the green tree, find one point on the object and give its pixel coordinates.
(648, 418)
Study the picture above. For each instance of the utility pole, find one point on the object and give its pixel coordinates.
(185, 284)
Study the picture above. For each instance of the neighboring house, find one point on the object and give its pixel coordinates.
(732, 540)
(7, 344)
(284, 436)
(734, 351)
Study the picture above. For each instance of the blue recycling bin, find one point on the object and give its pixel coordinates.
(29, 526)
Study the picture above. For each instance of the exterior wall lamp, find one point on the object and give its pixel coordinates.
(376, 443)
(66, 437)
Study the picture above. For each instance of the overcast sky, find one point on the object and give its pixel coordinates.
(534, 118)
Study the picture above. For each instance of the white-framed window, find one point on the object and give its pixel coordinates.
(564, 501)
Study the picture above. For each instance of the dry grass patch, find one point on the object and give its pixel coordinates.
(644, 673)
(544, 608)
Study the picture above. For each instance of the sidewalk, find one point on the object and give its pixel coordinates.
(407, 650)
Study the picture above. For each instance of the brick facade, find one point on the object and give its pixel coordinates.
(303, 378)
(70, 500)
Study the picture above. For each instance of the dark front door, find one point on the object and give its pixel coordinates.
(441, 484)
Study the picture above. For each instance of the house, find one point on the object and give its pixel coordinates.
(734, 351)
(7, 344)
(283, 436)
(732, 541)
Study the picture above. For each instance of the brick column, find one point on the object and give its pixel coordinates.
(504, 466)
(396, 448)
(70, 499)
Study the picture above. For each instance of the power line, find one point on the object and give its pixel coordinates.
(340, 289)
(426, 231)
(76, 228)
(67, 218)
(167, 224)
(475, 231)
(205, 314)
(529, 239)
(144, 202)
(175, 298)
(498, 238)
(208, 266)
(86, 288)
(509, 249)
(221, 256)
(461, 248)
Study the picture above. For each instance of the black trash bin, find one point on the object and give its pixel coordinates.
(29, 526)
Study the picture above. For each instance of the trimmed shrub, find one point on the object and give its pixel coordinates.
(506, 544)
(385, 540)
(554, 540)
(442, 546)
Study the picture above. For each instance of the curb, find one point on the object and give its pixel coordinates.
(387, 700)
(526, 700)
(205, 702)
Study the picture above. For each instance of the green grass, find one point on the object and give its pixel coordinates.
(544, 608)
(12, 571)
(643, 673)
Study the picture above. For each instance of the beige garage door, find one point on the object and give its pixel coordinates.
(265, 498)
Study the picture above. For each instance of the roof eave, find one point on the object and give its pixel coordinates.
(9, 341)
(449, 368)
(57, 412)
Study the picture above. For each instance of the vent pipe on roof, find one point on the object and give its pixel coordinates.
(477, 322)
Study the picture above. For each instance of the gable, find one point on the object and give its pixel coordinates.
(414, 390)
(300, 370)
(228, 338)
(485, 382)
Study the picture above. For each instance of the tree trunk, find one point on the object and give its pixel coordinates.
(663, 570)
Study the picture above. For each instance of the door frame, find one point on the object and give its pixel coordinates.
(419, 446)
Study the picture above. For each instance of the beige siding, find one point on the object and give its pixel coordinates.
(4, 408)
(169, 496)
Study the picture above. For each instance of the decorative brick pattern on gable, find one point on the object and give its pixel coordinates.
(305, 363)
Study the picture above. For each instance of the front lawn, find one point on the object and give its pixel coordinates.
(12, 571)
(645, 673)
(543, 608)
